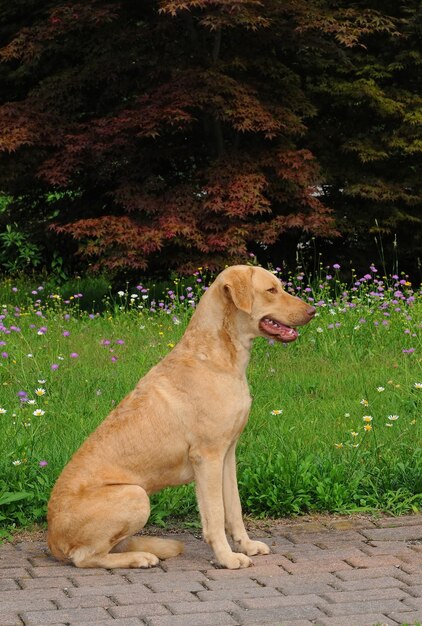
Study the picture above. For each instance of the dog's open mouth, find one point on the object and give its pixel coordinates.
(277, 330)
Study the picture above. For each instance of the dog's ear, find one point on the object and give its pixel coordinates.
(239, 288)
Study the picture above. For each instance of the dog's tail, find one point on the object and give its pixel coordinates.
(163, 548)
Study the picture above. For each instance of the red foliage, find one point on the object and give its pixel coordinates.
(173, 133)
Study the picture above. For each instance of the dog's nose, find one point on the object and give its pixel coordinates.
(311, 310)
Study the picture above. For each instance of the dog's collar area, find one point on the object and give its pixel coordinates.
(277, 330)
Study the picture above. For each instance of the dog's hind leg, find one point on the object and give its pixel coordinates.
(101, 521)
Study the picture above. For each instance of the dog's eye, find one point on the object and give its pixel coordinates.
(272, 290)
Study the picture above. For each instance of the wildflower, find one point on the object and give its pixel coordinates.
(113, 359)
(40, 391)
(120, 342)
(364, 402)
(41, 382)
(408, 351)
(276, 411)
(170, 345)
(66, 333)
(354, 434)
(121, 293)
(4, 355)
(417, 385)
(319, 329)
(355, 445)
(339, 445)
(367, 418)
(393, 418)
(17, 462)
(74, 355)
(31, 401)
(413, 422)
(54, 367)
(367, 427)
(347, 415)
(43, 463)
(30, 356)
(380, 389)
(2, 411)
(38, 412)
(336, 266)
(389, 425)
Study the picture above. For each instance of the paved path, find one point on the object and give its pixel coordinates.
(334, 572)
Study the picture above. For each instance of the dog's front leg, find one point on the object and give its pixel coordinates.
(208, 470)
(233, 509)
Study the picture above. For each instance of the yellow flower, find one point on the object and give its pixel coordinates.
(170, 345)
(338, 445)
(364, 402)
(276, 411)
(40, 391)
(367, 418)
(367, 427)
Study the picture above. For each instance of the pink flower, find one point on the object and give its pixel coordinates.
(54, 367)
(74, 355)
(42, 463)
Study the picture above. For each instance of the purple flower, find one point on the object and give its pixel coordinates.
(43, 463)
(113, 359)
(54, 367)
(4, 355)
(21, 394)
(336, 266)
(66, 333)
(408, 351)
(74, 355)
(120, 342)
(105, 342)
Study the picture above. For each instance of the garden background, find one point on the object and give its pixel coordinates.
(144, 146)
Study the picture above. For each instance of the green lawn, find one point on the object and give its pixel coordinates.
(305, 448)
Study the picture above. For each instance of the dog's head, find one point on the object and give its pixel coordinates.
(264, 305)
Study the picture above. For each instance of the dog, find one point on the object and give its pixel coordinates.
(180, 423)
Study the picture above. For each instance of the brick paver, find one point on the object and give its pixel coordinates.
(328, 572)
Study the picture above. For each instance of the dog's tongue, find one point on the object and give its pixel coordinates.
(278, 330)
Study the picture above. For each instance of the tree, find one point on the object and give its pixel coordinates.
(178, 134)
(367, 136)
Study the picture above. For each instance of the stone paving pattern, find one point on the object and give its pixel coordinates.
(334, 572)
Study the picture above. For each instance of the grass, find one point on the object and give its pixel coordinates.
(305, 447)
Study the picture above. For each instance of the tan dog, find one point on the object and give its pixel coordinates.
(180, 423)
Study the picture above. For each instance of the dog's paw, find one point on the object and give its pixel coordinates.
(236, 561)
(144, 559)
(252, 548)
